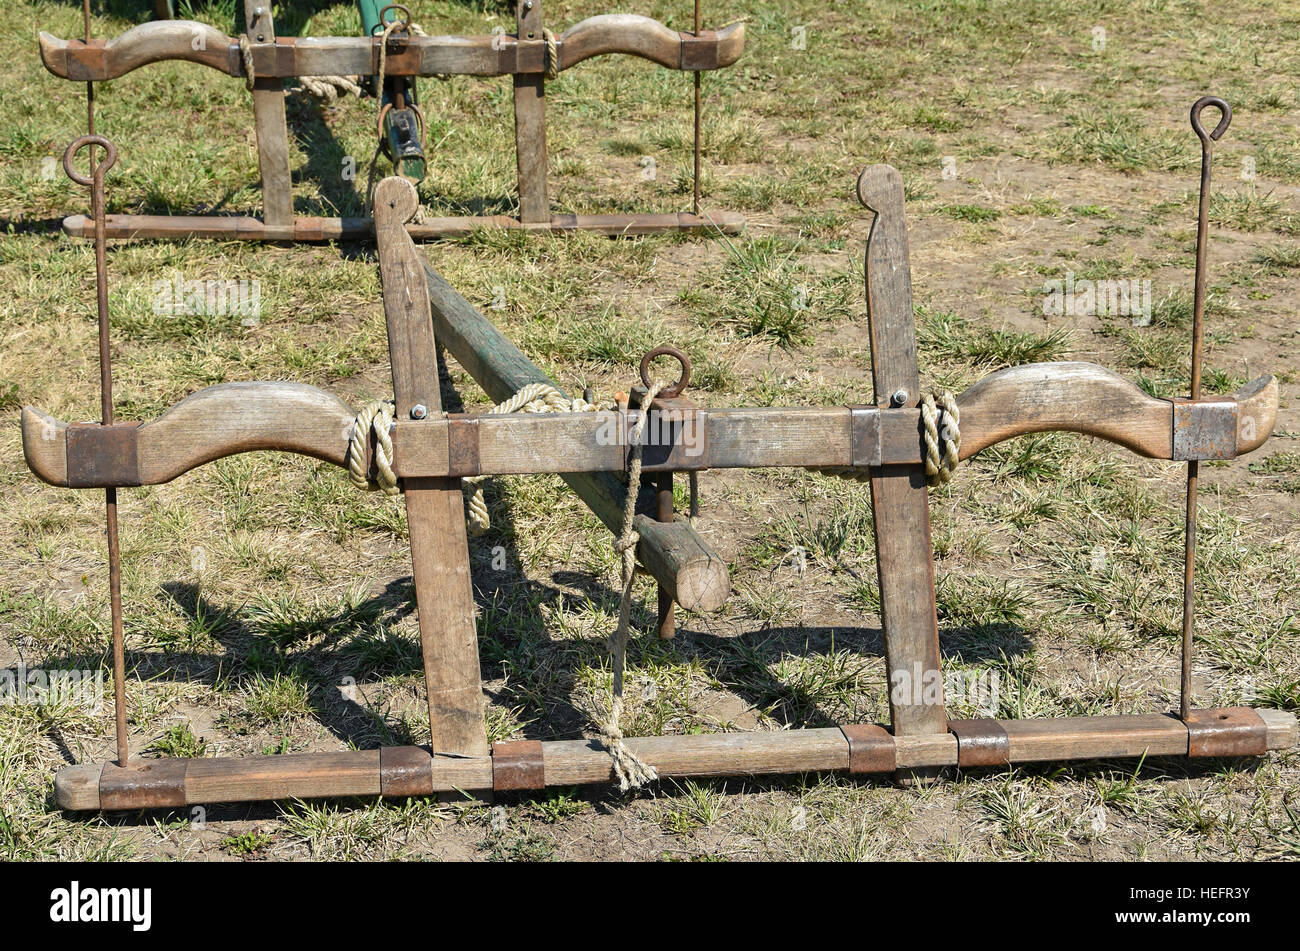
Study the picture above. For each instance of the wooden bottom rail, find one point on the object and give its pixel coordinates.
(411, 771)
(335, 229)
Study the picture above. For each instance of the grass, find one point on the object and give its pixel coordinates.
(269, 605)
(179, 740)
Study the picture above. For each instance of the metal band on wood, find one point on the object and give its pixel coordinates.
(517, 765)
(864, 437)
(462, 447)
(1205, 428)
(146, 784)
(1226, 731)
(102, 455)
(405, 771)
(980, 742)
(871, 748)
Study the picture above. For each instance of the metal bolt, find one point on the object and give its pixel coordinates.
(419, 411)
(528, 5)
(899, 398)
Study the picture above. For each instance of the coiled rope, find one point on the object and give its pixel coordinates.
(942, 443)
(330, 88)
(941, 418)
(375, 417)
(532, 398)
(246, 51)
(552, 54)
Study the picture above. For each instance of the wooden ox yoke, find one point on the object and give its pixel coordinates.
(881, 442)
(531, 55)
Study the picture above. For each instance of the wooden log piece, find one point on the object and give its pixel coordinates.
(671, 551)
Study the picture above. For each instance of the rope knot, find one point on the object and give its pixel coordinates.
(552, 54)
(942, 443)
(375, 417)
(246, 52)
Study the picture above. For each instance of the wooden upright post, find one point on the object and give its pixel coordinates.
(272, 130)
(435, 509)
(904, 554)
(530, 124)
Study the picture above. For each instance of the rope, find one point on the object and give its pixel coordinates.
(631, 772)
(532, 398)
(942, 443)
(941, 462)
(246, 50)
(552, 54)
(329, 88)
(376, 417)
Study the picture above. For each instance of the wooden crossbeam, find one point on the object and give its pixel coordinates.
(244, 228)
(231, 418)
(586, 762)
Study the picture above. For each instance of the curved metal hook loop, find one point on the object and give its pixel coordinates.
(1225, 118)
(405, 20)
(668, 392)
(98, 170)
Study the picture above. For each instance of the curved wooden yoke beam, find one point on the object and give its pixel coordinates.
(215, 422)
(1089, 399)
(231, 418)
(139, 46)
(649, 39)
(492, 55)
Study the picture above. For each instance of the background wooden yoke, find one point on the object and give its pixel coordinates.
(523, 56)
(920, 735)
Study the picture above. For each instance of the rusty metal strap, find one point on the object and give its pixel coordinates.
(100, 456)
(980, 742)
(405, 771)
(1226, 731)
(148, 784)
(309, 228)
(871, 748)
(517, 765)
(1205, 429)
